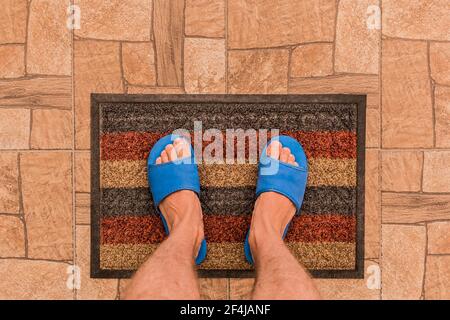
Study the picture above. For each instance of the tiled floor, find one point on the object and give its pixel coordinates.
(47, 72)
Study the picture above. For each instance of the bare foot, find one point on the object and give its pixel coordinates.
(272, 211)
(181, 208)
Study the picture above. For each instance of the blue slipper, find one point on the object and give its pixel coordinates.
(167, 178)
(283, 178)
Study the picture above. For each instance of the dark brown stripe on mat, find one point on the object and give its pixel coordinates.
(137, 145)
(309, 117)
(225, 228)
(233, 201)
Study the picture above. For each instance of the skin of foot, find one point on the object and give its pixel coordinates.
(272, 211)
(182, 208)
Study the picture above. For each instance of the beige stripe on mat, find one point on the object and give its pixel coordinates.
(314, 256)
(322, 172)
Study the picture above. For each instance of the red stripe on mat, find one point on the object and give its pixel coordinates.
(136, 145)
(227, 228)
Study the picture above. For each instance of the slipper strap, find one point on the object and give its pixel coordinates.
(169, 177)
(286, 179)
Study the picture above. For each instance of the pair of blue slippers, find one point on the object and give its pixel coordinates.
(273, 175)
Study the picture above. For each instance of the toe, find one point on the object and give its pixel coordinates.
(164, 156)
(274, 150)
(186, 149)
(291, 159)
(158, 160)
(178, 145)
(171, 152)
(285, 153)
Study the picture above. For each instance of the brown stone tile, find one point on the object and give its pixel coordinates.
(47, 200)
(168, 36)
(32, 279)
(439, 237)
(12, 237)
(204, 65)
(362, 84)
(213, 288)
(82, 208)
(14, 128)
(352, 289)
(373, 134)
(49, 40)
(414, 207)
(82, 172)
(12, 61)
(373, 100)
(357, 46)
(154, 90)
(436, 171)
(442, 116)
(439, 58)
(372, 205)
(205, 18)
(258, 71)
(97, 69)
(115, 20)
(437, 278)
(95, 289)
(406, 95)
(267, 23)
(9, 183)
(241, 289)
(401, 170)
(403, 259)
(138, 61)
(13, 21)
(312, 60)
(55, 92)
(51, 129)
(416, 19)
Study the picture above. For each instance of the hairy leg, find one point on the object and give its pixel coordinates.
(278, 274)
(169, 273)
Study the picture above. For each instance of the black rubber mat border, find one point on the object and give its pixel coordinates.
(97, 99)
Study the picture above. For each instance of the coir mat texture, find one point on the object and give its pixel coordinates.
(327, 237)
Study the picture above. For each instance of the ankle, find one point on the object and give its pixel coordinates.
(262, 239)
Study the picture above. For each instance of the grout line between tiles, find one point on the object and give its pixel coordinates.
(118, 290)
(154, 45)
(425, 262)
(21, 205)
(289, 67)
(26, 38)
(413, 39)
(226, 46)
(74, 233)
(422, 171)
(69, 262)
(417, 193)
(432, 93)
(380, 163)
(30, 129)
(333, 55)
(285, 46)
(122, 73)
(183, 32)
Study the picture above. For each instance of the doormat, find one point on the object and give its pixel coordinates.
(327, 237)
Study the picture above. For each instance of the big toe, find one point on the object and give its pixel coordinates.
(276, 151)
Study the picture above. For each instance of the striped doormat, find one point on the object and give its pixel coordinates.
(327, 237)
